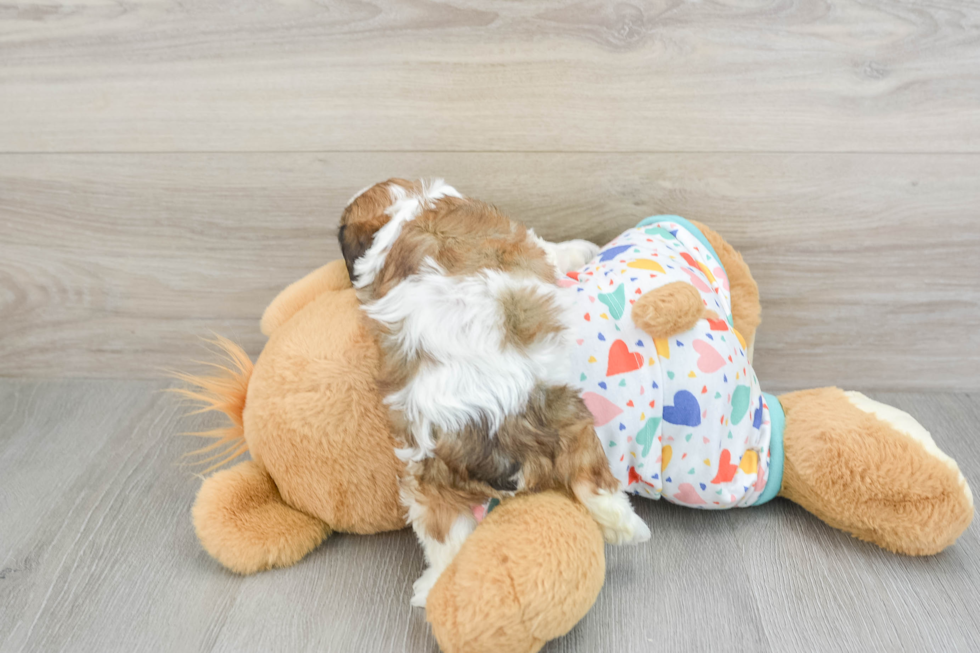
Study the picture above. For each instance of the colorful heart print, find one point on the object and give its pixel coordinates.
(726, 470)
(603, 411)
(615, 300)
(687, 494)
(622, 360)
(686, 410)
(709, 360)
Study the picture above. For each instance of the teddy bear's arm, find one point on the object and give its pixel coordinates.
(332, 276)
(526, 575)
(669, 309)
(746, 310)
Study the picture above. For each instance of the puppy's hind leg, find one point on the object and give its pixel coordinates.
(442, 527)
(439, 554)
(583, 463)
(611, 509)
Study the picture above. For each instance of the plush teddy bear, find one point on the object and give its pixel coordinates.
(310, 414)
(322, 459)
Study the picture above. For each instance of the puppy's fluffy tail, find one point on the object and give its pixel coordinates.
(222, 392)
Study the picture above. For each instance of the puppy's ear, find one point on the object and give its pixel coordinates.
(361, 219)
(354, 241)
(364, 216)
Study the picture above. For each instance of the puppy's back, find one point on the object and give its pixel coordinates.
(468, 351)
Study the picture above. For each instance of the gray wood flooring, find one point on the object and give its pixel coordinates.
(97, 554)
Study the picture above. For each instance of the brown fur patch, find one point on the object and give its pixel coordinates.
(528, 317)
(463, 236)
(552, 445)
(445, 492)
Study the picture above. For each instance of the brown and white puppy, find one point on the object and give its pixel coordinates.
(475, 337)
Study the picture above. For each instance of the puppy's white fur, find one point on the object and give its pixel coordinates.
(613, 513)
(565, 256)
(438, 555)
(471, 375)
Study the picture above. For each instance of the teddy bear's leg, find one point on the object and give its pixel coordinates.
(526, 575)
(243, 523)
(746, 309)
(873, 471)
(667, 310)
(332, 276)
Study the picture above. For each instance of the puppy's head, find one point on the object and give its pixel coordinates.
(372, 221)
(363, 217)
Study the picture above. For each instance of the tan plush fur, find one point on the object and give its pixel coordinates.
(315, 420)
(525, 576)
(222, 392)
(858, 474)
(669, 309)
(314, 389)
(311, 414)
(243, 522)
(746, 309)
(299, 294)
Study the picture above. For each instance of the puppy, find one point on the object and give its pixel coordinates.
(476, 345)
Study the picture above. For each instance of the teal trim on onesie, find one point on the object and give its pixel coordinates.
(777, 420)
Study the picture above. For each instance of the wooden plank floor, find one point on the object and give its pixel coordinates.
(97, 554)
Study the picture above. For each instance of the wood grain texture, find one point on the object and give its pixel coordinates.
(97, 550)
(465, 75)
(117, 265)
(97, 554)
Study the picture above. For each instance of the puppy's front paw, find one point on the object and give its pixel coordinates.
(573, 254)
(423, 585)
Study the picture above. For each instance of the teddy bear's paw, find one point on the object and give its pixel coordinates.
(423, 585)
(616, 519)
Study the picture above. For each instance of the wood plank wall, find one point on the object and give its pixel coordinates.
(167, 167)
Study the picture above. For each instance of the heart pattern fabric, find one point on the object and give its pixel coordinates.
(622, 360)
(680, 417)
